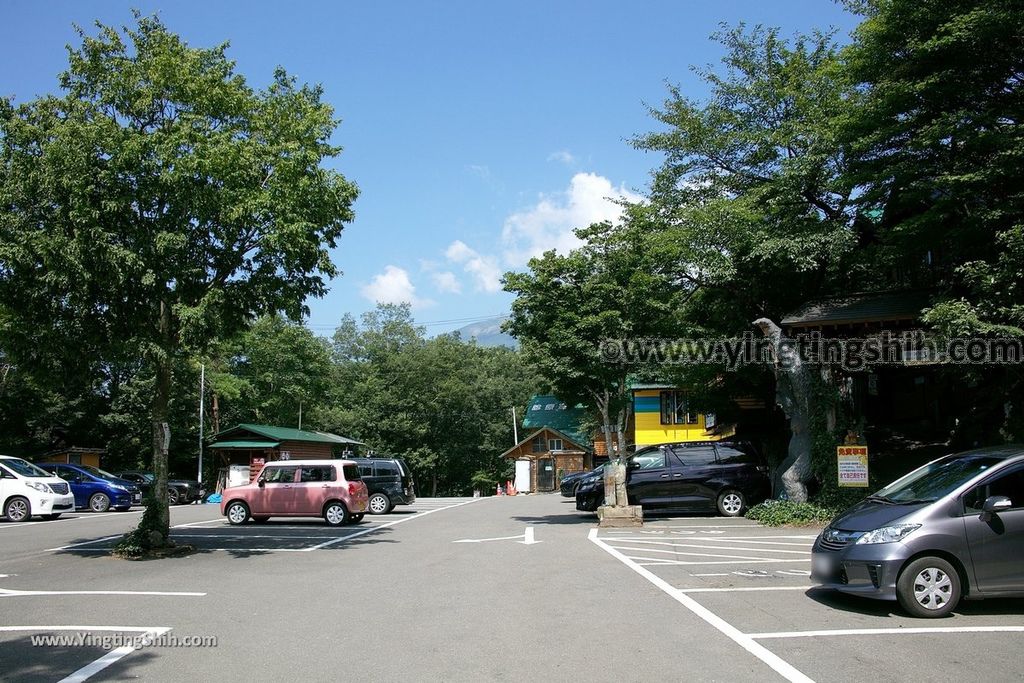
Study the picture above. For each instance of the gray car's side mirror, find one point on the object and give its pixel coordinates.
(996, 504)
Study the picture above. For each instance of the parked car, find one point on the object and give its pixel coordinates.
(330, 489)
(692, 476)
(95, 489)
(389, 482)
(572, 480)
(179, 491)
(951, 529)
(27, 490)
(590, 490)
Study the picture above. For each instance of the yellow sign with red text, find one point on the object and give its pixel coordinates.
(853, 465)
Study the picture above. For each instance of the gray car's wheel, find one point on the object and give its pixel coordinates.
(379, 504)
(929, 587)
(173, 496)
(237, 513)
(99, 502)
(17, 509)
(335, 513)
(731, 503)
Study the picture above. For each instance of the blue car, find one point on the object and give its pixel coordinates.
(95, 489)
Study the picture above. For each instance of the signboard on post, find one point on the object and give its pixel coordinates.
(852, 464)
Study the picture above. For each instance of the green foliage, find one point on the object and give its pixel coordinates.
(566, 305)
(441, 403)
(788, 513)
(139, 541)
(157, 205)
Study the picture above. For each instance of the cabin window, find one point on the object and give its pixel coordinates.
(538, 445)
(675, 409)
(555, 444)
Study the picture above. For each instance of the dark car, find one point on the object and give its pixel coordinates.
(590, 490)
(179, 491)
(693, 476)
(570, 481)
(388, 481)
(950, 529)
(95, 489)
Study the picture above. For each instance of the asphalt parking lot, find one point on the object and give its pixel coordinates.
(752, 585)
(464, 589)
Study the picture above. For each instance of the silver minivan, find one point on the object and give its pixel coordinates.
(951, 529)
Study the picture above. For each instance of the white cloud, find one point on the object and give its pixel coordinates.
(550, 223)
(447, 282)
(563, 156)
(393, 286)
(485, 269)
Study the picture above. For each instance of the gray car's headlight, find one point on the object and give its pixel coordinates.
(888, 534)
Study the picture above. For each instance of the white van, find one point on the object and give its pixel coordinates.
(27, 490)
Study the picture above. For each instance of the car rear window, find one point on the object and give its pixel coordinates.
(736, 454)
(317, 473)
(694, 455)
(387, 469)
(351, 472)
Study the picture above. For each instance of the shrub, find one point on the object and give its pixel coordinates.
(786, 512)
(139, 541)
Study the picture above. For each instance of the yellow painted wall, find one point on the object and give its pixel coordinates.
(648, 429)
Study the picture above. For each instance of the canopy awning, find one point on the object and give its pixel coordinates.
(244, 444)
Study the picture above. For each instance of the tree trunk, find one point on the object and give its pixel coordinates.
(433, 483)
(215, 409)
(161, 426)
(792, 393)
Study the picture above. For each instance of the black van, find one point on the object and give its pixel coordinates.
(388, 481)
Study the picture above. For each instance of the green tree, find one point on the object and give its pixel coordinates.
(568, 305)
(753, 211)
(441, 403)
(935, 144)
(282, 368)
(160, 203)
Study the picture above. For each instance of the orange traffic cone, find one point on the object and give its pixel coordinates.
(511, 489)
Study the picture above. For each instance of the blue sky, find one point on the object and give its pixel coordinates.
(479, 133)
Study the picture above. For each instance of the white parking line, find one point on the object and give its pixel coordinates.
(888, 631)
(331, 540)
(93, 668)
(689, 554)
(777, 664)
(744, 589)
(327, 544)
(78, 545)
(11, 593)
(713, 547)
(684, 563)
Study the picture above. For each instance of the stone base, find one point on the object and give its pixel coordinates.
(627, 516)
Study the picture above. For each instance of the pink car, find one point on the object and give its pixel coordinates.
(299, 488)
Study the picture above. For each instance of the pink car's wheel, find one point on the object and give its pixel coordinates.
(237, 513)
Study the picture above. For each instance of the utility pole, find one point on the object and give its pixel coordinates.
(300, 414)
(202, 391)
(515, 427)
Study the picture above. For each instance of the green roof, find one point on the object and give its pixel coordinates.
(549, 411)
(287, 434)
(244, 444)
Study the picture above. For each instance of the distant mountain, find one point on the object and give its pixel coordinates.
(488, 333)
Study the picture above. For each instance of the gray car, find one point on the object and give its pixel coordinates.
(951, 529)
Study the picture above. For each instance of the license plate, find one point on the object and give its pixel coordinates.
(822, 565)
(137, 498)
